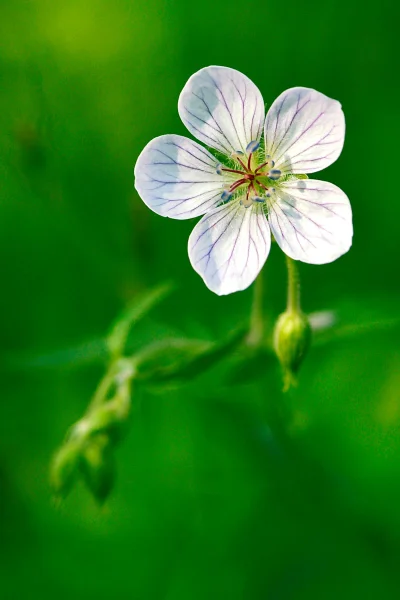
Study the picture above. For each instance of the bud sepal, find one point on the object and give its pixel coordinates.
(292, 337)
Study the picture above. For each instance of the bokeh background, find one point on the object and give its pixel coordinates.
(208, 504)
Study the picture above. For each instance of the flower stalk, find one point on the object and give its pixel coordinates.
(293, 294)
(292, 334)
(257, 327)
(88, 450)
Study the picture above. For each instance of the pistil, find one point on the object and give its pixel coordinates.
(250, 176)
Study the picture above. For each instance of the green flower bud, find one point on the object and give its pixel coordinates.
(108, 418)
(63, 470)
(98, 467)
(292, 336)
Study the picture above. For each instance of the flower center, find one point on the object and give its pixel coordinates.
(256, 178)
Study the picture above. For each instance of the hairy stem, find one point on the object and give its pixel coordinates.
(293, 297)
(256, 332)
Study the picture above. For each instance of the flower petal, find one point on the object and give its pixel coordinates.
(178, 178)
(311, 220)
(304, 131)
(222, 108)
(229, 246)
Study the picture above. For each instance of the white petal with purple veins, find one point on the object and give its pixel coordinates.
(178, 178)
(311, 220)
(229, 246)
(222, 108)
(304, 131)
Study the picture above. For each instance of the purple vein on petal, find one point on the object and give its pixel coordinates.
(228, 110)
(300, 136)
(209, 164)
(297, 112)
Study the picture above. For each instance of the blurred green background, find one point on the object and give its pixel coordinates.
(208, 504)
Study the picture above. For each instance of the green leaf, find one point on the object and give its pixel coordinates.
(352, 330)
(250, 364)
(180, 359)
(93, 351)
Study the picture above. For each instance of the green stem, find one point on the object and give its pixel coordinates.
(118, 371)
(256, 330)
(293, 298)
(103, 388)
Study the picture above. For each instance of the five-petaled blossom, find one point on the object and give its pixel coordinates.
(252, 190)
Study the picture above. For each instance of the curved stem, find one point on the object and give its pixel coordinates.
(293, 298)
(256, 331)
(102, 389)
(119, 372)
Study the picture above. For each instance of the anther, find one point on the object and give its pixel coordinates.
(269, 161)
(236, 156)
(226, 195)
(252, 146)
(274, 174)
(257, 199)
(246, 202)
(270, 191)
(219, 169)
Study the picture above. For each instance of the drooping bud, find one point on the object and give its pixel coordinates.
(98, 467)
(64, 468)
(292, 336)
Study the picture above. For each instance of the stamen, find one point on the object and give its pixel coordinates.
(226, 195)
(233, 171)
(246, 203)
(250, 188)
(274, 174)
(270, 192)
(237, 184)
(269, 162)
(252, 146)
(236, 155)
(242, 163)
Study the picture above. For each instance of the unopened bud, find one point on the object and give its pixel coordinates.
(104, 418)
(98, 467)
(110, 418)
(292, 338)
(64, 468)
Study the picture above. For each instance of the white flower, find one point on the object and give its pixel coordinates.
(251, 190)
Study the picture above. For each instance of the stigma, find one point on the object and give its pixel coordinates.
(255, 178)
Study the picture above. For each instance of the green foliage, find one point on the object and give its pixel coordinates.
(212, 500)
